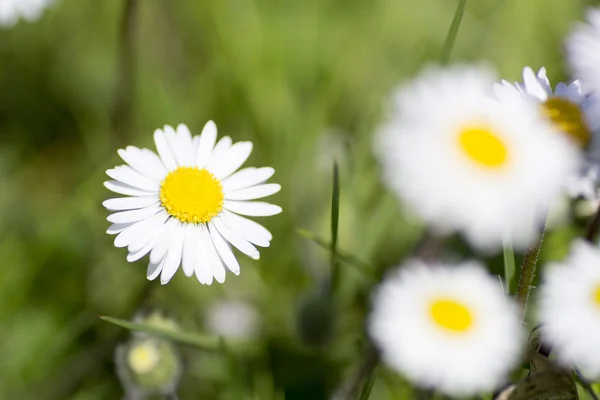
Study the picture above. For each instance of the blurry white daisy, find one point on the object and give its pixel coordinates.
(233, 319)
(467, 162)
(583, 51)
(29, 10)
(569, 308)
(182, 205)
(571, 112)
(448, 327)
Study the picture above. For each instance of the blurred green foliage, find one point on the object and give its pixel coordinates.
(307, 82)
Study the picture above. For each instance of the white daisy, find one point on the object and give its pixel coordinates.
(467, 162)
(233, 319)
(448, 327)
(29, 10)
(583, 51)
(182, 205)
(569, 308)
(571, 112)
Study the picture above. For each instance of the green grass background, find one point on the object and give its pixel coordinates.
(306, 81)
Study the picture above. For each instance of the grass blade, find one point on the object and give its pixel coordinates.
(335, 217)
(205, 342)
(453, 32)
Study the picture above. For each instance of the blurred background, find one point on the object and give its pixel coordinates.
(307, 82)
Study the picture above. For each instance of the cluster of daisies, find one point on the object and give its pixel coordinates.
(489, 160)
(469, 155)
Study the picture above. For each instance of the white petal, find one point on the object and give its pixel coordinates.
(164, 151)
(154, 269)
(153, 230)
(186, 148)
(219, 151)
(190, 249)
(164, 241)
(116, 228)
(129, 203)
(128, 190)
(235, 239)
(212, 257)
(224, 251)
(128, 175)
(248, 229)
(124, 238)
(247, 177)
(136, 255)
(145, 162)
(208, 137)
(235, 156)
(171, 136)
(253, 192)
(532, 84)
(252, 208)
(173, 258)
(133, 215)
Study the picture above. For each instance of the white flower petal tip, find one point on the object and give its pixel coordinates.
(464, 148)
(156, 218)
(11, 11)
(425, 315)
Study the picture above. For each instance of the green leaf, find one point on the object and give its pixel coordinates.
(205, 342)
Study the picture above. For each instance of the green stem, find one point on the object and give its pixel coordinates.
(453, 32)
(528, 273)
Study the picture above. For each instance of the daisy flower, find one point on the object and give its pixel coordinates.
(570, 112)
(583, 51)
(448, 327)
(183, 205)
(29, 10)
(467, 162)
(569, 308)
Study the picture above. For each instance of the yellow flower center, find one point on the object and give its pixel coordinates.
(143, 357)
(451, 315)
(597, 295)
(567, 117)
(483, 146)
(191, 194)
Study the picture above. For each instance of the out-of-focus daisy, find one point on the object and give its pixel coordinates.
(29, 10)
(570, 112)
(583, 51)
(233, 319)
(183, 205)
(467, 162)
(445, 326)
(569, 308)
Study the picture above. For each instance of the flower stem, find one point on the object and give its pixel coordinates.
(528, 272)
(453, 32)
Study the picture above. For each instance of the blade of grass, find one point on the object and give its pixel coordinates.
(205, 342)
(453, 32)
(509, 264)
(335, 216)
(360, 265)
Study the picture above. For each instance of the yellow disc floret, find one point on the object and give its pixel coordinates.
(483, 146)
(568, 118)
(192, 194)
(143, 357)
(451, 315)
(597, 296)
